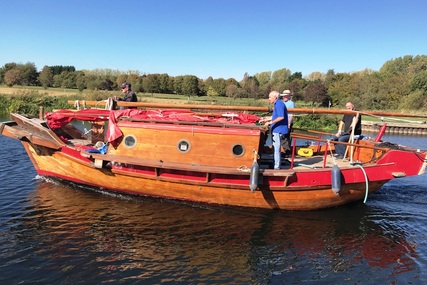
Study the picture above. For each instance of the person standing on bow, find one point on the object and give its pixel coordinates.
(345, 129)
(286, 96)
(130, 96)
(278, 124)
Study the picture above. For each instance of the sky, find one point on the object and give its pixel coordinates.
(218, 38)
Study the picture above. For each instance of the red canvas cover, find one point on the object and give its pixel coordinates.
(60, 118)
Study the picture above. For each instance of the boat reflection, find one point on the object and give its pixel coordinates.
(166, 240)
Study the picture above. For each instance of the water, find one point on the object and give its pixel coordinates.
(52, 233)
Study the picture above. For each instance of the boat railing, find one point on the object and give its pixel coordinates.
(328, 147)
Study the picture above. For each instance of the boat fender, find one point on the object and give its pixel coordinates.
(336, 179)
(253, 181)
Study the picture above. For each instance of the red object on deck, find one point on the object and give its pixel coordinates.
(381, 132)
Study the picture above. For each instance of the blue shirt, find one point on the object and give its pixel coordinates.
(280, 110)
(289, 104)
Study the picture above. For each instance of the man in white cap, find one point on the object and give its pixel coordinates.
(286, 96)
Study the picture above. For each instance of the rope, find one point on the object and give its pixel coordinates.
(330, 150)
(244, 168)
(109, 104)
(366, 181)
(86, 131)
(256, 155)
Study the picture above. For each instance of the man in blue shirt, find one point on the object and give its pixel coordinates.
(278, 124)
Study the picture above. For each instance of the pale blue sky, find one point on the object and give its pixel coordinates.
(218, 38)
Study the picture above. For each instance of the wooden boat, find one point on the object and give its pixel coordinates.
(221, 157)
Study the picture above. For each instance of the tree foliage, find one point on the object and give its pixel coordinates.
(13, 77)
(46, 77)
(399, 83)
(316, 92)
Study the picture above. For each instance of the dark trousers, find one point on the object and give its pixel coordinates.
(340, 148)
(287, 142)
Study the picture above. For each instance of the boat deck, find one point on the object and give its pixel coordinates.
(301, 162)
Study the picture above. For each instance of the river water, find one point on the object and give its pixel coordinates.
(53, 233)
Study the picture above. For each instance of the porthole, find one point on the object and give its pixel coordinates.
(130, 141)
(238, 150)
(184, 146)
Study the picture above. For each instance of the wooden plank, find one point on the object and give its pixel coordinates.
(34, 127)
(165, 165)
(248, 108)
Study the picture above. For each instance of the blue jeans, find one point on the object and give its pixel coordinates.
(276, 146)
(340, 148)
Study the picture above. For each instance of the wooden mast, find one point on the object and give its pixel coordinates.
(246, 108)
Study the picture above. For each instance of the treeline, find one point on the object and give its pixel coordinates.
(400, 84)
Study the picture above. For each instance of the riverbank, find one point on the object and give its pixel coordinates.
(400, 128)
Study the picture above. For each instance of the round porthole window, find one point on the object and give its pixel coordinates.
(130, 141)
(238, 150)
(184, 146)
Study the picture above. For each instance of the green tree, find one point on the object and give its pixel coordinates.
(190, 85)
(419, 81)
(13, 77)
(165, 83)
(29, 74)
(280, 76)
(207, 85)
(416, 100)
(46, 77)
(151, 83)
(80, 80)
(232, 91)
(58, 69)
(136, 81)
(219, 86)
(6, 68)
(106, 84)
(316, 92)
(250, 86)
(263, 77)
(297, 88)
(295, 76)
(178, 84)
(121, 78)
(92, 81)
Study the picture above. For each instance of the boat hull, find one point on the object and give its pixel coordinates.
(78, 169)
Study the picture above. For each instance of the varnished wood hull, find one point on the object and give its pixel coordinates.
(233, 191)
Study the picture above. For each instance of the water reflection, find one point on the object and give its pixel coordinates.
(74, 233)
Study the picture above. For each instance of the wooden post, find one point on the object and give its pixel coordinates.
(41, 112)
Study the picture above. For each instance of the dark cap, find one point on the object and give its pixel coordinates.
(126, 84)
